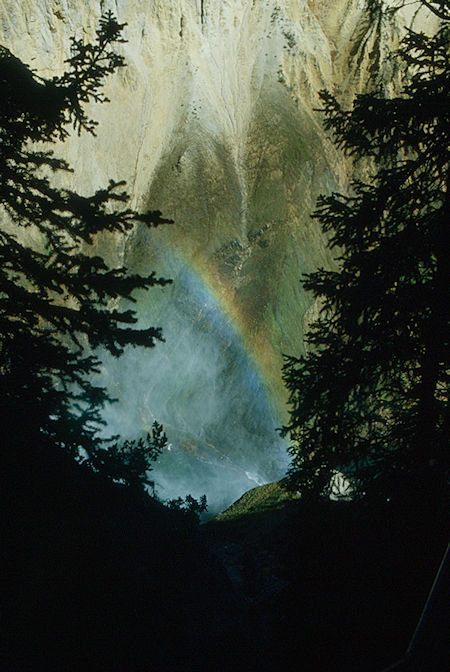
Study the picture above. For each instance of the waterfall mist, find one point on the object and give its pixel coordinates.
(202, 385)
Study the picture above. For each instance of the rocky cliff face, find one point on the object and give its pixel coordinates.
(213, 123)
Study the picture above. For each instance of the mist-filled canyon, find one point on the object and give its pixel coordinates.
(224, 335)
(213, 122)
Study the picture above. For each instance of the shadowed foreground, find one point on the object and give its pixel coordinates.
(99, 577)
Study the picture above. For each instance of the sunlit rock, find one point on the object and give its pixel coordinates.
(341, 488)
(213, 122)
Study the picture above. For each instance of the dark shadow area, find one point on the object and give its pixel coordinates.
(335, 585)
(101, 577)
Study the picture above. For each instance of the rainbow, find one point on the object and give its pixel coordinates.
(207, 384)
(217, 299)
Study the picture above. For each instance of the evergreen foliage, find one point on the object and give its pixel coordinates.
(370, 398)
(439, 7)
(59, 301)
(189, 505)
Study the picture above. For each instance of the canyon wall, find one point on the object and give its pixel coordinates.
(213, 122)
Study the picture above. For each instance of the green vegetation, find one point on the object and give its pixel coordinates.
(371, 396)
(59, 302)
(99, 575)
(261, 499)
(256, 516)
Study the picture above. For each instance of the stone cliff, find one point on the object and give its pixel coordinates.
(213, 123)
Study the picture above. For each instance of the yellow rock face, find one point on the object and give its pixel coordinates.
(213, 122)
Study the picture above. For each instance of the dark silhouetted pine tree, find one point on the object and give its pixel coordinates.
(59, 301)
(370, 398)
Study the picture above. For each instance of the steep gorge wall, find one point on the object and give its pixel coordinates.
(213, 123)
